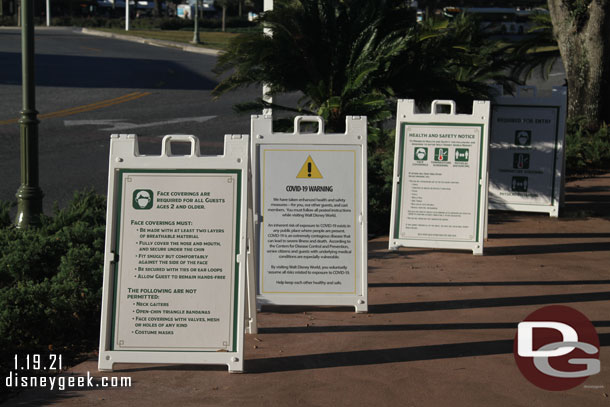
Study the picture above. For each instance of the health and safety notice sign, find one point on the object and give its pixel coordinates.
(440, 189)
(440, 178)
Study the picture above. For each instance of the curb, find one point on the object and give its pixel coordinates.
(153, 42)
(37, 27)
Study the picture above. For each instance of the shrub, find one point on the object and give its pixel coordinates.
(380, 173)
(8, 20)
(5, 208)
(51, 282)
(587, 151)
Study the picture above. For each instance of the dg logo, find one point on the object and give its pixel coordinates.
(556, 348)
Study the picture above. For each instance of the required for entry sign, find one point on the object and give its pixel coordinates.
(524, 157)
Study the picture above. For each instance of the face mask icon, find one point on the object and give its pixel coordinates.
(142, 199)
(523, 137)
(421, 153)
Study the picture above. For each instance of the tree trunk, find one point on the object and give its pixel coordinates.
(156, 12)
(582, 31)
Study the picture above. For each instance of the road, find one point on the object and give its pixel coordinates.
(90, 87)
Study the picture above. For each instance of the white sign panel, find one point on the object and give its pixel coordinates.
(309, 233)
(439, 172)
(310, 201)
(526, 153)
(174, 281)
(176, 277)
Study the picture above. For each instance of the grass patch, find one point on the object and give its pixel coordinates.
(209, 39)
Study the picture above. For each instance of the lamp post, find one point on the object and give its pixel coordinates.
(126, 15)
(48, 3)
(267, 6)
(196, 17)
(29, 195)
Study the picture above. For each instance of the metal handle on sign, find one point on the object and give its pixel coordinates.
(308, 119)
(450, 103)
(166, 149)
(526, 88)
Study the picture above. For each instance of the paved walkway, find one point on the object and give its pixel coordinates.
(439, 333)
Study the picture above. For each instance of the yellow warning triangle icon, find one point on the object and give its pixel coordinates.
(309, 170)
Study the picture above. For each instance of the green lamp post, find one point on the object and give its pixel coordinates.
(29, 195)
(196, 17)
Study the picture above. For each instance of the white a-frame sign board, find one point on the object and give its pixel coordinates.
(174, 269)
(527, 152)
(440, 177)
(310, 214)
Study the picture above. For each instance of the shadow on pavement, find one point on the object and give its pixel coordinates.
(490, 283)
(376, 249)
(103, 72)
(488, 302)
(548, 235)
(548, 248)
(399, 327)
(379, 356)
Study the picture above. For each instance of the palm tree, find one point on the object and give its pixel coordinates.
(539, 48)
(336, 53)
(353, 57)
(453, 60)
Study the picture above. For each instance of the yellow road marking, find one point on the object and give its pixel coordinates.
(92, 49)
(86, 108)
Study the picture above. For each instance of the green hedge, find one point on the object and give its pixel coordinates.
(51, 282)
(8, 21)
(380, 173)
(587, 151)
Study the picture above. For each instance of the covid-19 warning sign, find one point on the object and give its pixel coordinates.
(310, 200)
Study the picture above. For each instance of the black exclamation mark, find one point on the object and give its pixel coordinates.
(309, 169)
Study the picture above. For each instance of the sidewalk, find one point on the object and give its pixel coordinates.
(150, 41)
(439, 332)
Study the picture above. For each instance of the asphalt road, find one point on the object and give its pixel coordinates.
(89, 88)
